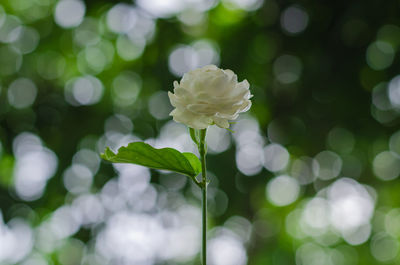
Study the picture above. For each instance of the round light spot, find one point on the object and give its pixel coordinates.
(389, 33)
(386, 165)
(383, 116)
(316, 216)
(311, 254)
(207, 52)
(118, 124)
(88, 158)
(330, 165)
(341, 140)
(248, 159)
(162, 8)
(69, 13)
(384, 248)
(88, 33)
(121, 18)
(11, 60)
(26, 142)
(146, 234)
(159, 105)
(17, 241)
(10, 30)
(95, 58)
(191, 17)
(394, 143)
(380, 55)
(276, 157)
(226, 250)
(181, 60)
(292, 224)
(2, 15)
(352, 206)
(294, 20)
(173, 182)
(33, 168)
(394, 91)
(282, 190)
(144, 27)
(35, 259)
(126, 88)
(77, 179)
(90, 209)
(27, 40)
(130, 49)
(218, 139)
(392, 222)
(85, 90)
(185, 58)
(64, 222)
(303, 170)
(72, 251)
(22, 93)
(287, 69)
(358, 235)
(247, 5)
(380, 97)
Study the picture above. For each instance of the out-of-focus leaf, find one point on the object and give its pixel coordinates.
(6, 170)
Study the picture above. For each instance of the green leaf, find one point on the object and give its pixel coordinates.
(143, 154)
(193, 135)
(194, 162)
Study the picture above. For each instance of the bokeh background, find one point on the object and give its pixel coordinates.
(310, 176)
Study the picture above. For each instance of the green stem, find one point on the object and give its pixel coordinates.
(203, 150)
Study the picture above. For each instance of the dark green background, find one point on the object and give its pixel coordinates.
(347, 54)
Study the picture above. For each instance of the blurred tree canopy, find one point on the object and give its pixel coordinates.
(309, 177)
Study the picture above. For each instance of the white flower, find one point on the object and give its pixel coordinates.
(207, 96)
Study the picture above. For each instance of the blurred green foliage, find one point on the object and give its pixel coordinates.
(309, 177)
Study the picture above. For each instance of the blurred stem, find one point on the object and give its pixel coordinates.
(203, 150)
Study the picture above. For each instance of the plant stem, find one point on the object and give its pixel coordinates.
(203, 150)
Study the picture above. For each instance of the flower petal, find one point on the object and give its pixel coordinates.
(222, 123)
(209, 95)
